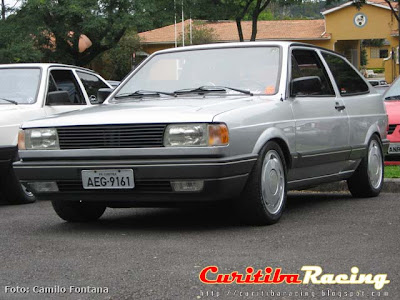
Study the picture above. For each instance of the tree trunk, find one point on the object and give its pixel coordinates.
(239, 28)
(254, 23)
(256, 12)
(239, 19)
(3, 10)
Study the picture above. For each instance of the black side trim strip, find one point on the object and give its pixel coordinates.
(312, 158)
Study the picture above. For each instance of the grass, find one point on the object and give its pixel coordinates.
(392, 171)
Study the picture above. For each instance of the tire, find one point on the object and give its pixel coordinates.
(367, 180)
(14, 192)
(73, 211)
(264, 196)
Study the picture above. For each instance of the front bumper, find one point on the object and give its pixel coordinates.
(224, 178)
(7, 154)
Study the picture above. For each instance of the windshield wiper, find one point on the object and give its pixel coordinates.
(10, 101)
(211, 89)
(395, 97)
(143, 93)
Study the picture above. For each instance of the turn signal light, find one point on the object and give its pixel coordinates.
(218, 135)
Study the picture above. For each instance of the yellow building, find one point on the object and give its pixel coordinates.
(343, 29)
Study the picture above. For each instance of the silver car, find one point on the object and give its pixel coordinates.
(237, 123)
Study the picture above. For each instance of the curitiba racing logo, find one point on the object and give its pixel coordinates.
(312, 275)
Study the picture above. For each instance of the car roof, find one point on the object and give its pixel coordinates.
(44, 66)
(286, 44)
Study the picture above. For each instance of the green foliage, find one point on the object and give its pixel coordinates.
(57, 25)
(373, 43)
(392, 171)
(377, 70)
(116, 63)
(16, 44)
(363, 57)
(200, 34)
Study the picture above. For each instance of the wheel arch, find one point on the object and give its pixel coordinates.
(373, 130)
(276, 135)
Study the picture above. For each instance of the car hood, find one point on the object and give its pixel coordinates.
(164, 110)
(393, 111)
(16, 114)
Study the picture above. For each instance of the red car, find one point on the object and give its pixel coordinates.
(392, 101)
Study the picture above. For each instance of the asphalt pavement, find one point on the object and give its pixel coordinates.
(159, 253)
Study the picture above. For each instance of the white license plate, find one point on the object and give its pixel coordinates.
(108, 179)
(394, 148)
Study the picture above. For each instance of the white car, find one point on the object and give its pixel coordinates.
(32, 91)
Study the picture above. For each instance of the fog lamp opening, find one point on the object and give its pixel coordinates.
(43, 186)
(187, 185)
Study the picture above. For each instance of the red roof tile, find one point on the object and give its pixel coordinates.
(227, 31)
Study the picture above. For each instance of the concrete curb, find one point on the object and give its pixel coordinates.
(391, 185)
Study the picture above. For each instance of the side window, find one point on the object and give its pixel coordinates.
(92, 84)
(347, 79)
(306, 63)
(64, 80)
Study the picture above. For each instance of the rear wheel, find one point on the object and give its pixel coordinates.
(264, 197)
(75, 211)
(367, 180)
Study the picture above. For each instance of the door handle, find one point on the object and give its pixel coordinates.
(339, 107)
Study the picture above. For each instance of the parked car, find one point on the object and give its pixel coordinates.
(378, 82)
(31, 91)
(380, 85)
(240, 123)
(392, 102)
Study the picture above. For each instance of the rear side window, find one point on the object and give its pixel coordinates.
(347, 79)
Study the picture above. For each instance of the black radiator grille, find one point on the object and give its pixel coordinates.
(140, 186)
(392, 128)
(111, 136)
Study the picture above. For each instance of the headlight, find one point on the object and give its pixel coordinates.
(196, 135)
(38, 139)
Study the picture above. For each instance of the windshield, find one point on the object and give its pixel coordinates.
(254, 69)
(19, 85)
(393, 93)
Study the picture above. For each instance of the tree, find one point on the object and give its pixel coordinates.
(58, 25)
(3, 10)
(200, 34)
(117, 62)
(240, 9)
(16, 44)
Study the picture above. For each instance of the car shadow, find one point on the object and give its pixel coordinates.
(198, 218)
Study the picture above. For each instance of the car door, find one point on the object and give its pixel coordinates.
(365, 109)
(64, 80)
(91, 83)
(322, 125)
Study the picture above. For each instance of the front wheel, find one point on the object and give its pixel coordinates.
(75, 211)
(264, 197)
(367, 180)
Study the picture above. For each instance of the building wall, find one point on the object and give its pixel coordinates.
(380, 24)
(376, 62)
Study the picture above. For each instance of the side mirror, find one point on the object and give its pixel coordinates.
(307, 85)
(102, 94)
(58, 98)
